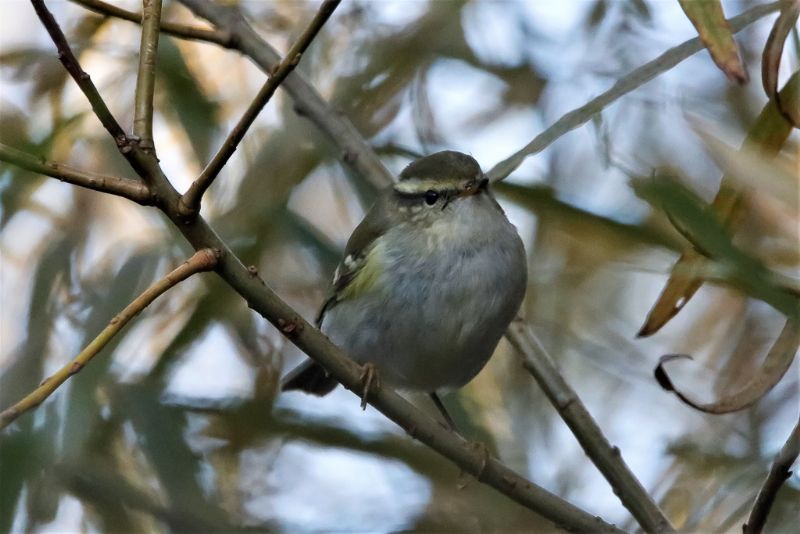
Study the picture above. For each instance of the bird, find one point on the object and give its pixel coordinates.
(430, 280)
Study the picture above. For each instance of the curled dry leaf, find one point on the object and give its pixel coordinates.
(715, 32)
(771, 58)
(775, 365)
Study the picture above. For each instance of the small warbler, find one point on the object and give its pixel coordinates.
(429, 282)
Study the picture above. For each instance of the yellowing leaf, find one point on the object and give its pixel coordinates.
(771, 58)
(709, 20)
(766, 137)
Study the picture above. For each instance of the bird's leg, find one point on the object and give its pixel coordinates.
(369, 379)
(451, 425)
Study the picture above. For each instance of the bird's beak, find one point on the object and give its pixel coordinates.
(473, 187)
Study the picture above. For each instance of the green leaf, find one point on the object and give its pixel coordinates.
(697, 221)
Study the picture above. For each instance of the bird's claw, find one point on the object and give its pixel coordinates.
(370, 379)
(485, 454)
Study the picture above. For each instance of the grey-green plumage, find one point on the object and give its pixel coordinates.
(430, 280)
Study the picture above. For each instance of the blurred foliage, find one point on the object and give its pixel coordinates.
(178, 426)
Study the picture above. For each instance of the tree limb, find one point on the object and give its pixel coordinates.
(310, 340)
(190, 201)
(235, 33)
(778, 474)
(340, 132)
(127, 146)
(114, 185)
(606, 457)
(74, 69)
(183, 31)
(146, 78)
(202, 260)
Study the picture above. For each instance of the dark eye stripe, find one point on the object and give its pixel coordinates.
(424, 194)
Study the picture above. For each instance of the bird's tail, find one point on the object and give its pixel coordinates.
(310, 377)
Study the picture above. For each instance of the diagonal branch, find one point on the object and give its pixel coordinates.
(778, 474)
(202, 260)
(606, 457)
(355, 152)
(310, 340)
(146, 79)
(74, 69)
(175, 29)
(190, 201)
(635, 79)
(114, 185)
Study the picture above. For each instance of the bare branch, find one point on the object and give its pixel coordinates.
(183, 31)
(339, 131)
(114, 185)
(74, 69)
(310, 340)
(190, 201)
(202, 260)
(778, 474)
(606, 457)
(640, 76)
(146, 78)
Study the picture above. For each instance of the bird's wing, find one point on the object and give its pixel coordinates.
(351, 277)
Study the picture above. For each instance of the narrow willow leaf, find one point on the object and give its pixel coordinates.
(766, 137)
(715, 32)
(700, 225)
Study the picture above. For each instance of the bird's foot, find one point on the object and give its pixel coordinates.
(370, 379)
(485, 457)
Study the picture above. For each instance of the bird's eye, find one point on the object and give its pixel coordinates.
(431, 197)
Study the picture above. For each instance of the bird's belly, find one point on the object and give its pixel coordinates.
(438, 323)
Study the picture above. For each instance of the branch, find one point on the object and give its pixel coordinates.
(183, 31)
(246, 282)
(114, 185)
(310, 340)
(83, 80)
(638, 77)
(190, 201)
(606, 457)
(355, 152)
(778, 474)
(146, 78)
(202, 260)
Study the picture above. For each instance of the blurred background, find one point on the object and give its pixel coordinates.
(178, 425)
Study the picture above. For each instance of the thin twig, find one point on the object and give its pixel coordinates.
(606, 457)
(354, 151)
(778, 474)
(114, 185)
(640, 76)
(74, 69)
(146, 78)
(190, 201)
(202, 260)
(183, 31)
